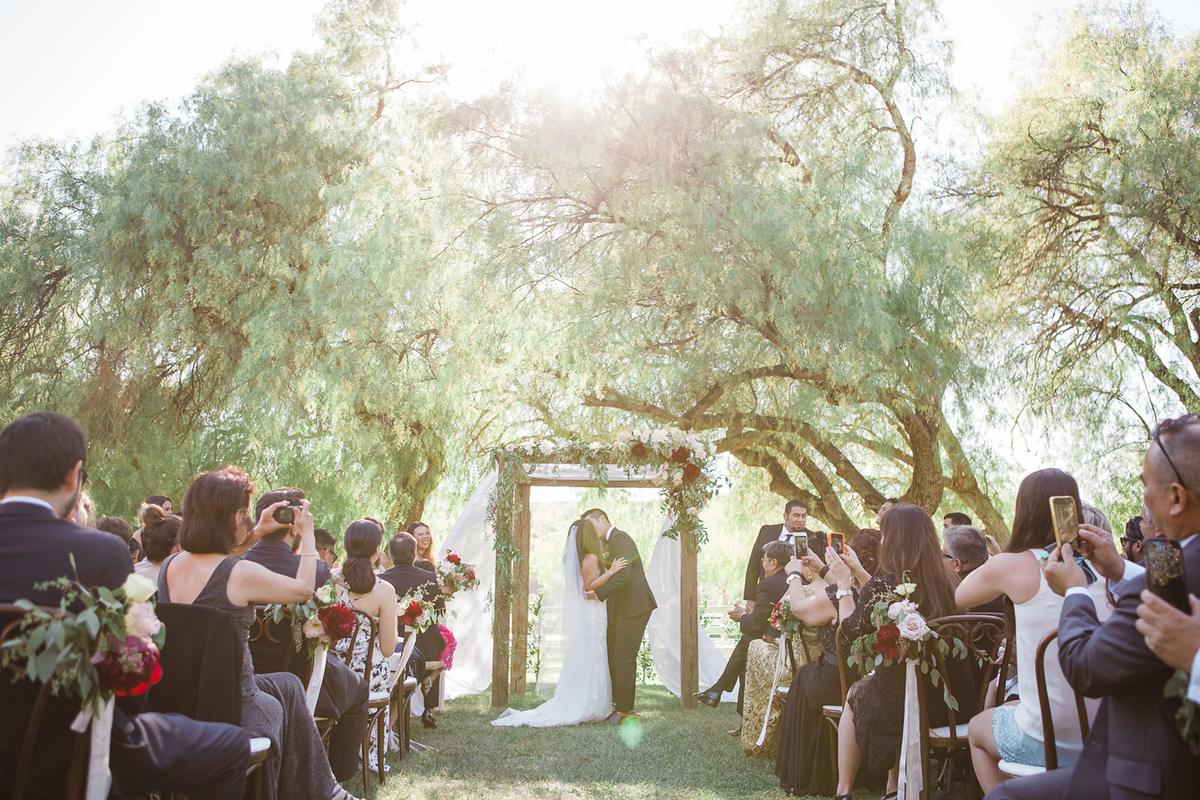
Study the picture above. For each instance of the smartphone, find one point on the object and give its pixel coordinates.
(838, 542)
(1066, 523)
(1165, 573)
(286, 515)
(800, 543)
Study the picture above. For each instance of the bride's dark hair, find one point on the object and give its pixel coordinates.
(587, 540)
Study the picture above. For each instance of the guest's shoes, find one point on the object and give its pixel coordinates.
(427, 719)
(710, 697)
(736, 731)
(614, 718)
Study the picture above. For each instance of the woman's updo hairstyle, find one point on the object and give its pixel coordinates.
(160, 532)
(361, 540)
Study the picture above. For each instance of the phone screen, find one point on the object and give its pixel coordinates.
(1165, 573)
(800, 544)
(1066, 523)
(837, 541)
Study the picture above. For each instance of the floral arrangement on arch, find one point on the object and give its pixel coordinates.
(416, 612)
(901, 633)
(455, 575)
(681, 457)
(318, 620)
(109, 648)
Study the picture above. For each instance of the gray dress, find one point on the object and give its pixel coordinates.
(273, 705)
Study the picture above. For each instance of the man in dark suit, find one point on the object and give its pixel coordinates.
(410, 579)
(795, 517)
(42, 472)
(344, 693)
(1134, 750)
(754, 624)
(630, 602)
(965, 551)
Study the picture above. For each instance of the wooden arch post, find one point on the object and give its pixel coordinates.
(510, 625)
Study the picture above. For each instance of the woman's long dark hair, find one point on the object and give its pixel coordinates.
(1033, 524)
(588, 541)
(361, 540)
(911, 552)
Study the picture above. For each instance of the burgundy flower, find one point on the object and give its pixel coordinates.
(129, 667)
(681, 455)
(887, 641)
(638, 450)
(338, 622)
(411, 614)
(453, 559)
(691, 472)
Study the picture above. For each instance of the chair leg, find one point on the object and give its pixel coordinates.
(833, 753)
(366, 760)
(381, 745)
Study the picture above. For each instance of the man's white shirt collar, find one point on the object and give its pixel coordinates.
(37, 501)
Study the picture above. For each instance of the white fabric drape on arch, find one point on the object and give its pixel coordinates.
(472, 539)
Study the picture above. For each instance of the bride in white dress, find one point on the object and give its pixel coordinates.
(584, 690)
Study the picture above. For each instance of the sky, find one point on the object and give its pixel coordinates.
(70, 68)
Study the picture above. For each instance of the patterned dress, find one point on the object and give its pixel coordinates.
(355, 655)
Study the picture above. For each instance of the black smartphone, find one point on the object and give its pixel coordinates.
(838, 542)
(1165, 573)
(800, 545)
(286, 515)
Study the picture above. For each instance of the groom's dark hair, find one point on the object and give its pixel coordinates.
(596, 512)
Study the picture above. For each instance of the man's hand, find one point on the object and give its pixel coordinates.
(1170, 634)
(267, 522)
(1062, 572)
(1098, 547)
(736, 613)
(993, 547)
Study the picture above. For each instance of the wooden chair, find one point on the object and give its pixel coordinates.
(400, 695)
(75, 786)
(280, 634)
(1048, 743)
(378, 702)
(983, 634)
(833, 714)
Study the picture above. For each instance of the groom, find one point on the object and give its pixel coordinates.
(628, 612)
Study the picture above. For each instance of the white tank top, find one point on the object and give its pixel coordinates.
(1035, 618)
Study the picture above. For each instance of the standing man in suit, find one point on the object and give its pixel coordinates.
(754, 623)
(42, 458)
(631, 602)
(794, 525)
(1134, 750)
(409, 578)
(344, 693)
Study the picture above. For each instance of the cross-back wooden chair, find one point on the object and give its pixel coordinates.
(311, 670)
(983, 634)
(833, 713)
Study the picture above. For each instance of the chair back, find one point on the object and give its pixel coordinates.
(273, 640)
(1051, 746)
(841, 659)
(202, 668)
(410, 644)
(1004, 667)
(983, 635)
(75, 784)
(364, 620)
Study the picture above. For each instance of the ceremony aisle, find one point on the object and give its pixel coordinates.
(681, 754)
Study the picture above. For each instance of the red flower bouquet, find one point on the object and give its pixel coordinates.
(451, 646)
(338, 622)
(127, 667)
(456, 576)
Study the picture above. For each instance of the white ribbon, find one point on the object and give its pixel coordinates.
(99, 776)
(911, 768)
(780, 665)
(313, 691)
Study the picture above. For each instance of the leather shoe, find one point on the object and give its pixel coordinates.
(427, 719)
(710, 697)
(736, 731)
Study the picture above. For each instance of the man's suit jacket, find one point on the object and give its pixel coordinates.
(412, 578)
(627, 591)
(1134, 749)
(770, 589)
(770, 533)
(279, 558)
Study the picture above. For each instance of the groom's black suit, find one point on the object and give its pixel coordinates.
(630, 602)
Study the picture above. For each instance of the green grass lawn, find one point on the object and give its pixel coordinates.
(681, 753)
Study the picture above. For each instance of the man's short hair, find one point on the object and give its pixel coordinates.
(779, 552)
(1133, 530)
(117, 527)
(596, 512)
(403, 549)
(958, 518)
(1096, 517)
(289, 493)
(324, 539)
(39, 450)
(787, 508)
(1178, 457)
(966, 543)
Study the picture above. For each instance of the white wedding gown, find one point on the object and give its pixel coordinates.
(579, 628)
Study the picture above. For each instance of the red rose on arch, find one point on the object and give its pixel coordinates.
(681, 455)
(691, 472)
(638, 450)
(887, 642)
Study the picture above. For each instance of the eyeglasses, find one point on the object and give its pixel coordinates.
(1172, 426)
(83, 478)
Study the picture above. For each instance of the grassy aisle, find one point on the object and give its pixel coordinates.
(680, 754)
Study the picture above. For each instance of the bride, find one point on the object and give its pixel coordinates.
(584, 691)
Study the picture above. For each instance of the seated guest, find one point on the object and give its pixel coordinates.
(276, 550)
(42, 459)
(218, 517)
(1131, 542)
(117, 527)
(160, 538)
(162, 501)
(1013, 732)
(84, 512)
(344, 694)
(426, 556)
(1094, 517)
(870, 728)
(754, 624)
(966, 550)
(358, 586)
(326, 547)
(407, 578)
(954, 519)
(1135, 749)
(802, 761)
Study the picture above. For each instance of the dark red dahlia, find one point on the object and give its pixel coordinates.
(887, 642)
(129, 667)
(681, 455)
(638, 450)
(338, 622)
(453, 559)
(691, 472)
(411, 614)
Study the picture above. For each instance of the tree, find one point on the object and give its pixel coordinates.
(730, 245)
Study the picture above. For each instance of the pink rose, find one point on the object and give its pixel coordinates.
(140, 621)
(913, 627)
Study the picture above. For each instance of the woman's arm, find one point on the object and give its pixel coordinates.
(384, 595)
(591, 566)
(985, 583)
(816, 610)
(260, 585)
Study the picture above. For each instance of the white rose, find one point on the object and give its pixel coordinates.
(141, 622)
(510, 447)
(913, 627)
(894, 610)
(139, 589)
(325, 594)
(905, 589)
(596, 447)
(547, 447)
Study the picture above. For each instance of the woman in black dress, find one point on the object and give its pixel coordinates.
(870, 729)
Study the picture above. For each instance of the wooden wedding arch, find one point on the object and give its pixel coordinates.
(668, 459)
